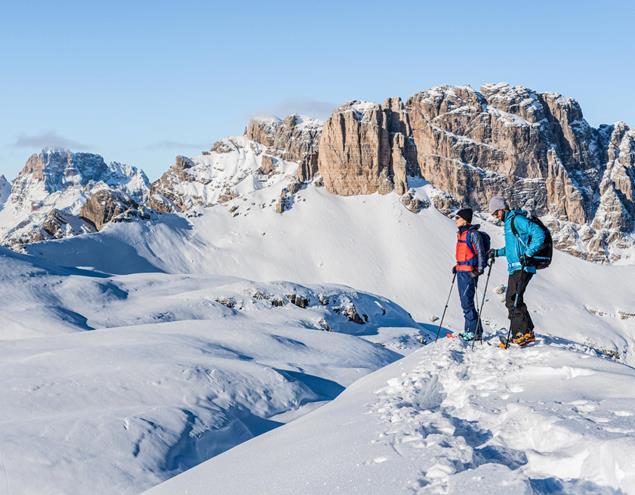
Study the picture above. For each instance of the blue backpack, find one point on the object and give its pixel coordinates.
(485, 239)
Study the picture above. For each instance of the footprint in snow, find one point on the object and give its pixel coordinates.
(623, 413)
(583, 406)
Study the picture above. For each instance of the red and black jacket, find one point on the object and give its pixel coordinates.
(469, 249)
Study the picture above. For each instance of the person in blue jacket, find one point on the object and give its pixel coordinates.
(471, 259)
(518, 249)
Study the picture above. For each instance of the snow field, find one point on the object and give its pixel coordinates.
(133, 379)
(448, 420)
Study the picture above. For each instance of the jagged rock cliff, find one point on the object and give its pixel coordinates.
(294, 138)
(536, 149)
(109, 205)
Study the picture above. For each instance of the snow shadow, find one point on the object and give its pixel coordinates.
(324, 389)
(192, 449)
(550, 486)
(47, 267)
(109, 252)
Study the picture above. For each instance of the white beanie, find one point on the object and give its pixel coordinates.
(497, 203)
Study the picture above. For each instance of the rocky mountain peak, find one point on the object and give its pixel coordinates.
(48, 194)
(58, 169)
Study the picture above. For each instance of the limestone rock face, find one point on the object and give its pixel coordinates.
(164, 196)
(533, 148)
(616, 208)
(294, 138)
(355, 150)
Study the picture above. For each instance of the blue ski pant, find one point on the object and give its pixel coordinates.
(467, 291)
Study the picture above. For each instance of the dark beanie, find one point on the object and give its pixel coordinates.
(465, 214)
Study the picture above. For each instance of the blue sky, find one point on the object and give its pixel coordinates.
(140, 81)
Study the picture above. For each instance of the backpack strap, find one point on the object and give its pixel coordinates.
(515, 230)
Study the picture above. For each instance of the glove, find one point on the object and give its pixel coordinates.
(454, 270)
(491, 254)
(476, 273)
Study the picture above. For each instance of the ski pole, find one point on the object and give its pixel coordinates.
(479, 325)
(446, 307)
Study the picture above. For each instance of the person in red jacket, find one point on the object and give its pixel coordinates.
(471, 260)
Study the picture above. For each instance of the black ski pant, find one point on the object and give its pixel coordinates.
(519, 318)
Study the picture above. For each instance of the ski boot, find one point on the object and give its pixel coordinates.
(467, 336)
(519, 339)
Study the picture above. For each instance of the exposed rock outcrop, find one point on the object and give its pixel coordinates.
(165, 194)
(294, 138)
(107, 206)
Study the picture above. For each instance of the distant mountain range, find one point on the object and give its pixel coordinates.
(534, 148)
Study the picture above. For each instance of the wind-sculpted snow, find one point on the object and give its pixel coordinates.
(150, 374)
(449, 420)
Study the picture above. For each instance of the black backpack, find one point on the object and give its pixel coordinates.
(542, 258)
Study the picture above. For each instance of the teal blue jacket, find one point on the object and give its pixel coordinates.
(530, 238)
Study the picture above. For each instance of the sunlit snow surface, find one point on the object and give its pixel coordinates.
(548, 419)
(144, 357)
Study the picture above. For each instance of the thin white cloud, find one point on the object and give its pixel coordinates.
(47, 139)
(166, 144)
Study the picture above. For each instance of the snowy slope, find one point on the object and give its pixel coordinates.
(112, 384)
(371, 243)
(449, 420)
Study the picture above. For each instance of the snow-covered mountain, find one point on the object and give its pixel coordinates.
(171, 313)
(534, 148)
(46, 198)
(234, 168)
(282, 267)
